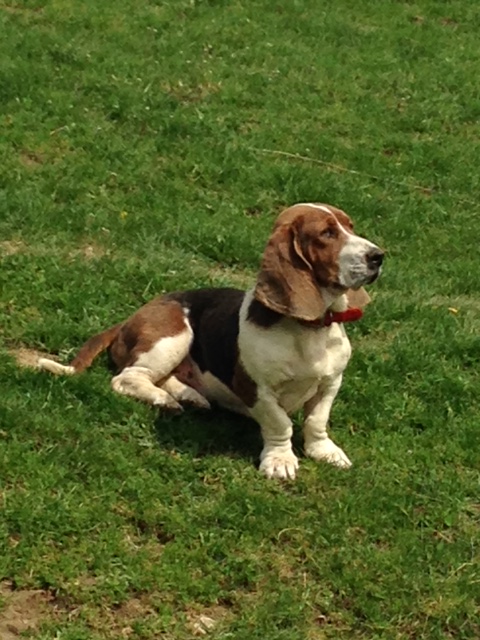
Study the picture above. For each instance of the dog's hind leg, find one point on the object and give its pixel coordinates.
(155, 367)
(138, 382)
(185, 384)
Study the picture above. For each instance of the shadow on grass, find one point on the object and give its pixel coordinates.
(202, 433)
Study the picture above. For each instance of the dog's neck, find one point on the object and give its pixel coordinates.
(334, 300)
(337, 311)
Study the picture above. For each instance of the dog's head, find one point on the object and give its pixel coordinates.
(312, 257)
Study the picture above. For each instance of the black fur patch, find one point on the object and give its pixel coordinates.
(261, 315)
(213, 315)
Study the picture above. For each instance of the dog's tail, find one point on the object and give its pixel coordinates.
(87, 354)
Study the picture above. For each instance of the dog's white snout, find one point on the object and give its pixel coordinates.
(360, 262)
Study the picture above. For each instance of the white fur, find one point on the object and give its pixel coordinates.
(316, 413)
(322, 207)
(353, 266)
(155, 366)
(166, 353)
(55, 367)
(293, 366)
(139, 383)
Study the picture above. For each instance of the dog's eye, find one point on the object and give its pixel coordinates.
(329, 233)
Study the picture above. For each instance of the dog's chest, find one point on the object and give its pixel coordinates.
(293, 359)
(320, 353)
(318, 358)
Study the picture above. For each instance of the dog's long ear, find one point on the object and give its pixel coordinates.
(286, 282)
(358, 298)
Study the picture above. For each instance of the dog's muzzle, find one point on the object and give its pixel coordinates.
(374, 260)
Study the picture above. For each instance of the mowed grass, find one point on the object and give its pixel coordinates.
(148, 147)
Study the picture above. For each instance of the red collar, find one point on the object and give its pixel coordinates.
(350, 315)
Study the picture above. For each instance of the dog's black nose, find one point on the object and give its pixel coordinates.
(375, 258)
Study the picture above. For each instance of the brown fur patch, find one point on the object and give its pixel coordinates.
(95, 345)
(301, 256)
(321, 252)
(160, 318)
(359, 298)
(188, 373)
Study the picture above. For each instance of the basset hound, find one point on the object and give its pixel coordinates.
(267, 352)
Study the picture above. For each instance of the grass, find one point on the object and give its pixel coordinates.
(148, 147)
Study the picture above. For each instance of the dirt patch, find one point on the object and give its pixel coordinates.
(11, 247)
(192, 93)
(28, 358)
(32, 159)
(22, 610)
(121, 620)
(89, 252)
(134, 608)
(201, 623)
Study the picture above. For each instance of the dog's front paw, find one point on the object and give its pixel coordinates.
(328, 451)
(279, 464)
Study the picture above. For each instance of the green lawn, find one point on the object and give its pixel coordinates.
(148, 146)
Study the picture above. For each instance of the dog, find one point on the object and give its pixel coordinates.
(265, 353)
